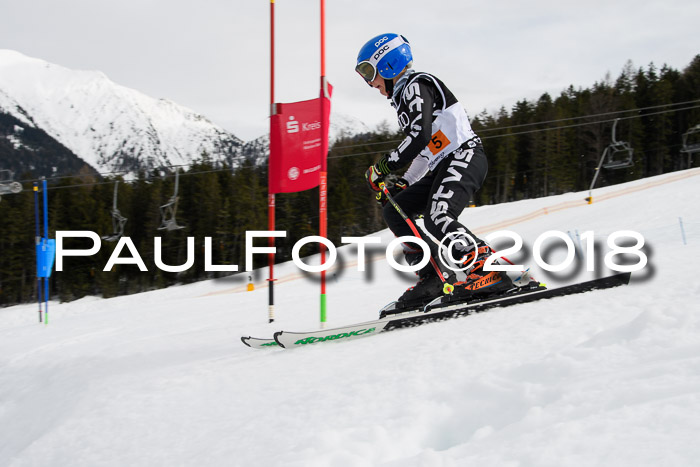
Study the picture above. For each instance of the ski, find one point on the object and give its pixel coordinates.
(439, 310)
(257, 343)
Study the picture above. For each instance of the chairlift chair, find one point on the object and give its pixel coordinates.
(619, 154)
(691, 142)
(118, 221)
(169, 210)
(7, 183)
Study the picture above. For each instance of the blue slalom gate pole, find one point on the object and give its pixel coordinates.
(45, 252)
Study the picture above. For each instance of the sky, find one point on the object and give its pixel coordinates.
(213, 56)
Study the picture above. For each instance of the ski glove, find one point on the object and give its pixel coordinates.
(375, 174)
(398, 186)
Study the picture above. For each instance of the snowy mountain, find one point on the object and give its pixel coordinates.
(605, 378)
(114, 128)
(26, 149)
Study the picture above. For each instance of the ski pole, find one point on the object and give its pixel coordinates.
(447, 288)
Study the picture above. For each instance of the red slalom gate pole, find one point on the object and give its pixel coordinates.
(323, 181)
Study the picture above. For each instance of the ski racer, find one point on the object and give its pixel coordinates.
(446, 166)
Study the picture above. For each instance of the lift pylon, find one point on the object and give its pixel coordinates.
(617, 155)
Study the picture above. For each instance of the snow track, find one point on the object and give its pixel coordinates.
(604, 378)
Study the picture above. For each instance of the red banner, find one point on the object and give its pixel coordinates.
(297, 147)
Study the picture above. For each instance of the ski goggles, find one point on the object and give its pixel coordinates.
(367, 70)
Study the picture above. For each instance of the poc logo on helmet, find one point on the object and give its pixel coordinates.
(381, 41)
(381, 51)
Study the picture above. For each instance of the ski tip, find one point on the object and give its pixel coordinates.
(277, 338)
(245, 340)
(625, 277)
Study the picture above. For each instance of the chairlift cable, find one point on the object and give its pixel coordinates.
(339, 156)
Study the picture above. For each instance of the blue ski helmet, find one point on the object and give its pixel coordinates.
(386, 54)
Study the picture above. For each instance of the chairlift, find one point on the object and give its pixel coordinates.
(691, 142)
(7, 183)
(169, 210)
(618, 154)
(118, 221)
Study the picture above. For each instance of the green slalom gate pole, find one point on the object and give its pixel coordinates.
(323, 308)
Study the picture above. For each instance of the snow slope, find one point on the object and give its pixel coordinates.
(608, 378)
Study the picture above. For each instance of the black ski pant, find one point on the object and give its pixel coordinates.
(440, 197)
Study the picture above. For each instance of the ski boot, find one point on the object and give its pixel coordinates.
(480, 283)
(428, 287)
